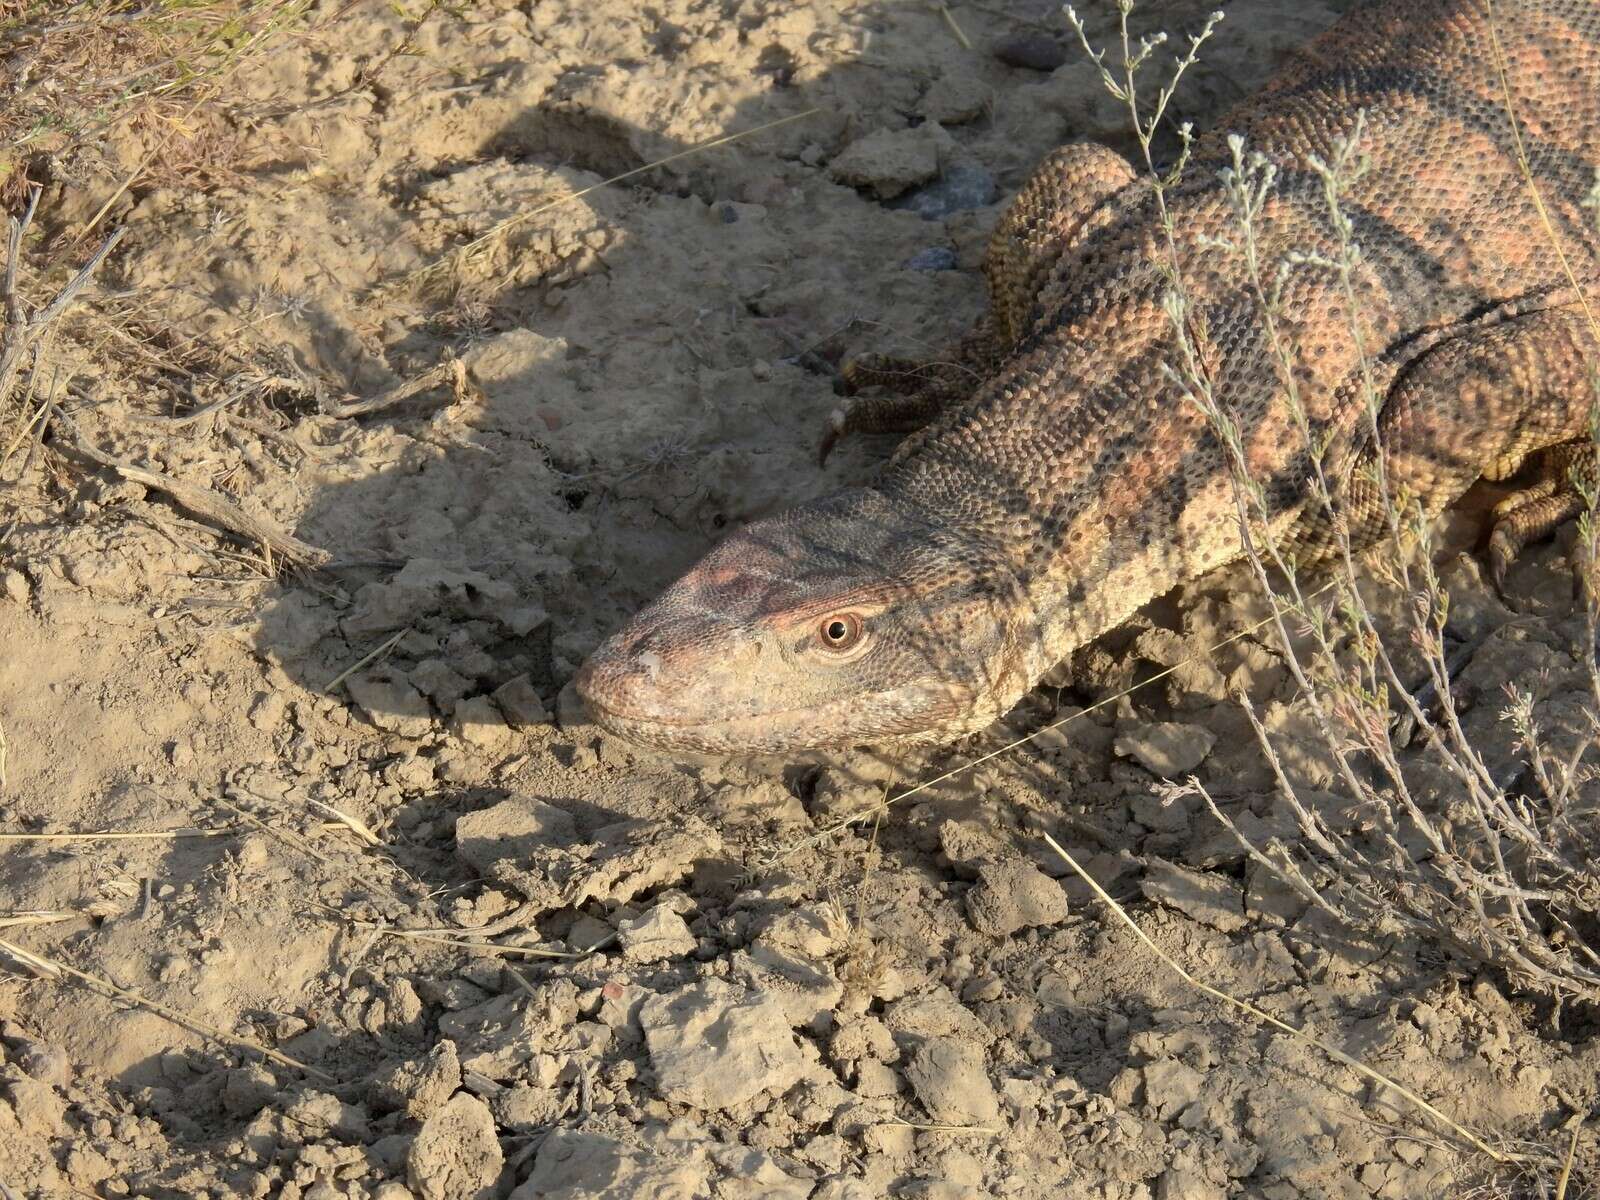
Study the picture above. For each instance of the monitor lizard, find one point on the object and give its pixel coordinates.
(1061, 477)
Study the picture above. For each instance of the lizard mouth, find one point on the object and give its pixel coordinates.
(878, 717)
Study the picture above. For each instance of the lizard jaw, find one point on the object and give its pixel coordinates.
(883, 718)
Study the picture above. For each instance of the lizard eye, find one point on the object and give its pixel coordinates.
(840, 632)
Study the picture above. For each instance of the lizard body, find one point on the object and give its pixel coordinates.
(1035, 511)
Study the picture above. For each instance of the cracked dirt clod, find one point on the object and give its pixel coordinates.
(714, 1046)
(456, 1153)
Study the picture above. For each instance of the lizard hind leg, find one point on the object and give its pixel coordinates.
(1553, 494)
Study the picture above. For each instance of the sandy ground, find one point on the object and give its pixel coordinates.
(927, 1005)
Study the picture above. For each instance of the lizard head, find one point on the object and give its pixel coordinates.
(844, 621)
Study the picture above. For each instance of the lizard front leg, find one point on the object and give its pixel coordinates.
(1066, 198)
(1515, 394)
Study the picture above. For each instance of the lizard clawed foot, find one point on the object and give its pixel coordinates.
(1524, 524)
(1534, 512)
(916, 393)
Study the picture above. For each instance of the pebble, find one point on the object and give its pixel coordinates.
(480, 722)
(39, 1110)
(48, 1064)
(514, 829)
(15, 585)
(521, 703)
(571, 1163)
(955, 98)
(1170, 1086)
(456, 1152)
(267, 711)
(1030, 52)
(391, 704)
(247, 1090)
(436, 678)
(323, 1113)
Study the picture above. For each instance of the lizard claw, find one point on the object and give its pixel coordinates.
(1502, 553)
(838, 426)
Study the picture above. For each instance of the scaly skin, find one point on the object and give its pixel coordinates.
(1075, 482)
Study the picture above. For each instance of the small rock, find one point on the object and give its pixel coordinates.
(456, 1152)
(959, 189)
(715, 1048)
(40, 1112)
(15, 585)
(1187, 1183)
(520, 703)
(1161, 814)
(658, 934)
(1200, 895)
(889, 161)
(934, 1014)
(1014, 895)
(480, 722)
(419, 1086)
(46, 1063)
(267, 712)
(391, 704)
(1030, 52)
(950, 1079)
(588, 932)
(934, 258)
(1166, 748)
(523, 1109)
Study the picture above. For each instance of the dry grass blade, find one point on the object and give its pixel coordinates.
(204, 503)
(354, 824)
(52, 968)
(483, 947)
(42, 916)
(372, 656)
(956, 30)
(936, 1127)
(1245, 1006)
(119, 835)
(5, 754)
(23, 330)
(1572, 1153)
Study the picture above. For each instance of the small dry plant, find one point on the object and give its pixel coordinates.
(80, 72)
(1501, 873)
(1499, 870)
